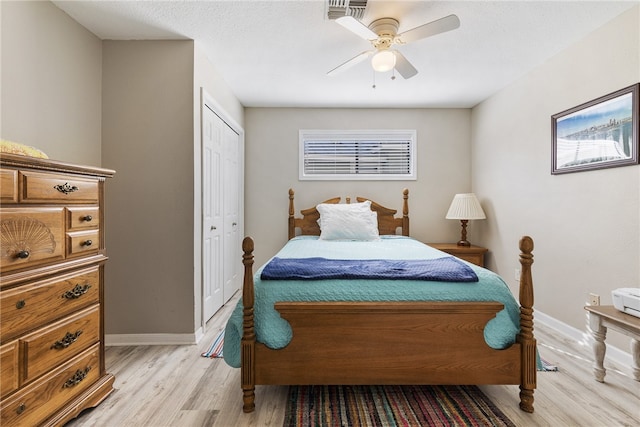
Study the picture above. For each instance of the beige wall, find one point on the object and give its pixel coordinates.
(585, 225)
(146, 127)
(444, 166)
(147, 138)
(51, 82)
(151, 137)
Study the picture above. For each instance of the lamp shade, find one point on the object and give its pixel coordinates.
(465, 206)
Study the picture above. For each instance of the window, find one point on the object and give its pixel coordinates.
(355, 155)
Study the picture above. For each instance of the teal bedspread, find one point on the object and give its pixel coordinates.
(276, 332)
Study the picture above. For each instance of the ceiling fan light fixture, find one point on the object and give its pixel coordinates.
(383, 60)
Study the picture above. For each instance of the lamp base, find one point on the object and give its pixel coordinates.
(463, 234)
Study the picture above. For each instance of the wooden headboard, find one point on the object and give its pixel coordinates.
(387, 221)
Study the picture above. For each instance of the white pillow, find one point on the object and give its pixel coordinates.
(348, 221)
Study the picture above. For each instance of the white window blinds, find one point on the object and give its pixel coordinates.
(353, 155)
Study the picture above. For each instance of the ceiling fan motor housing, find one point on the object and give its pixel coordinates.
(386, 29)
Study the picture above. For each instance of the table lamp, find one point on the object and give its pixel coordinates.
(465, 207)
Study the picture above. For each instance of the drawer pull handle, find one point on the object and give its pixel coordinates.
(20, 304)
(66, 188)
(77, 291)
(87, 242)
(77, 378)
(23, 254)
(21, 408)
(65, 342)
(87, 218)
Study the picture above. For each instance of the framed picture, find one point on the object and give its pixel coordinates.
(602, 133)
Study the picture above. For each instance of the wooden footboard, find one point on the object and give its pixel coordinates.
(390, 342)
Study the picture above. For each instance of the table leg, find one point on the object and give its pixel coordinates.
(635, 353)
(599, 333)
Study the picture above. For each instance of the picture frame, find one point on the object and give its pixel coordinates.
(602, 133)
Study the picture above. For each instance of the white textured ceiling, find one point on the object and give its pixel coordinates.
(276, 53)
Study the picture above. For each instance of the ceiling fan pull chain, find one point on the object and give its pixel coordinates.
(374, 80)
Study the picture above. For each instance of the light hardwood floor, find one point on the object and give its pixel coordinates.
(174, 386)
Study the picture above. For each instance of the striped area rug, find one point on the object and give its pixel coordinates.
(215, 349)
(390, 406)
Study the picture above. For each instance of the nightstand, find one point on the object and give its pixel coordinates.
(473, 254)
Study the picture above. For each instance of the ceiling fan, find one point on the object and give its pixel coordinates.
(383, 34)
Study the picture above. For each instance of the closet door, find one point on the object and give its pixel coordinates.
(231, 208)
(212, 213)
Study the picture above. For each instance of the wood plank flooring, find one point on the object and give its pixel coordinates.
(174, 386)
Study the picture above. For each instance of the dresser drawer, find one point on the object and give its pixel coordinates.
(38, 187)
(36, 402)
(53, 344)
(8, 186)
(30, 236)
(31, 306)
(82, 218)
(8, 367)
(82, 242)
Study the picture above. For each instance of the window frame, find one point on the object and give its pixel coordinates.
(380, 135)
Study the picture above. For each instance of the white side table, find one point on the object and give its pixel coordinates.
(602, 317)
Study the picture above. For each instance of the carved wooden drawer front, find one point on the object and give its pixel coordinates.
(8, 185)
(34, 305)
(51, 345)
(30, 236)
(8, 367)
(82, 218)
(82, 242)
(37, 401)
(56, 188)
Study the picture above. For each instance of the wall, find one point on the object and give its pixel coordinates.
(147, 128)
(151, 137)
(148, 137)
(51, 82)
(585, 225)
(272, 168)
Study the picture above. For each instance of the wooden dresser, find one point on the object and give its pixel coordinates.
(51, 290)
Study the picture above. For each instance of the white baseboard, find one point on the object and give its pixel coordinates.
(153, 339)
(614, 354)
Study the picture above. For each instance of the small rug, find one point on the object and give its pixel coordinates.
(546, 366)
(215, 349)
(391, 406)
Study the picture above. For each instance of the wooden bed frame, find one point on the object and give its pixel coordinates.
(377, 343)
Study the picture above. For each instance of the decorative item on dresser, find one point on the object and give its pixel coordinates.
(51, 290)
(473, 254)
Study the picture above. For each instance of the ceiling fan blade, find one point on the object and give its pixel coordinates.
(356, 27)
(403, 66)
(350, 63)
(432, 28)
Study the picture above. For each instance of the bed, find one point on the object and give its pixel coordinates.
(376, 340)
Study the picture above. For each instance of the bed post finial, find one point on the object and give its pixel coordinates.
(405, 212)
(248, 341)
(292, 212)
(525, 337)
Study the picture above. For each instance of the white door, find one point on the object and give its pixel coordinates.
(231, 187)
(212, 214)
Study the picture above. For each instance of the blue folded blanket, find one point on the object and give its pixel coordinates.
(447, 269)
